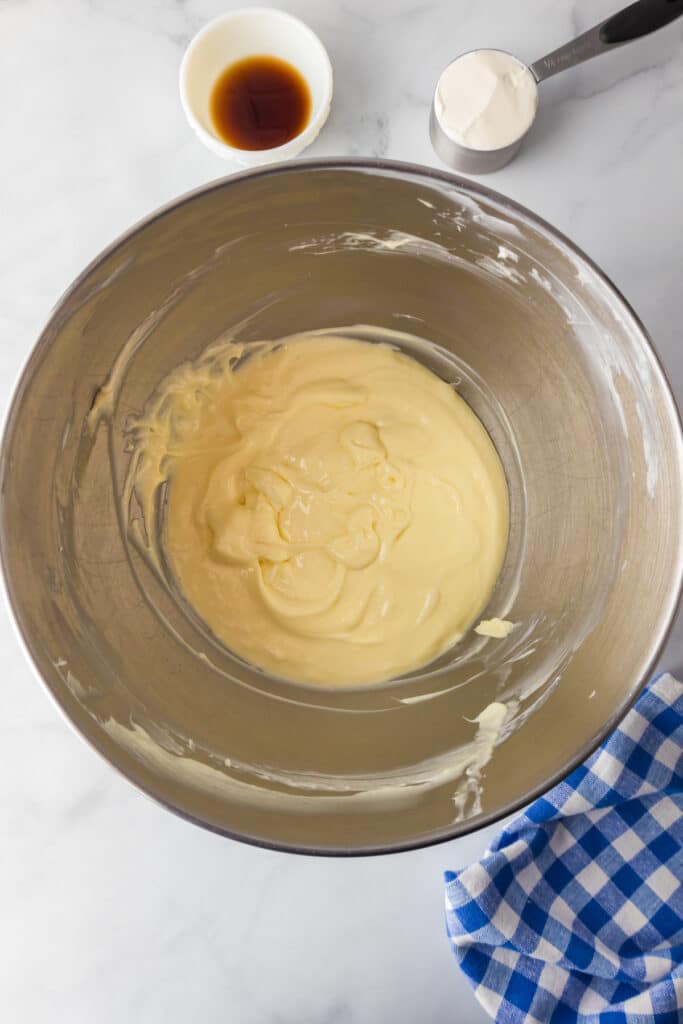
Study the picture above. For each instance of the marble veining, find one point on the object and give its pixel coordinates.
(112, 909)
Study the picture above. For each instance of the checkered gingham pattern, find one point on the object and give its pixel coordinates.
(575, 914)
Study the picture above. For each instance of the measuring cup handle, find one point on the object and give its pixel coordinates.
(634, 21)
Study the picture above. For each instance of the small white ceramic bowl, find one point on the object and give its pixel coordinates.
(253, 31)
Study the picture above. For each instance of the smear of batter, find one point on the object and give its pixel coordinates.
(336, 513)
(496, 628)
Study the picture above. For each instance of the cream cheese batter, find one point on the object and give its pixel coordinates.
(335, 513)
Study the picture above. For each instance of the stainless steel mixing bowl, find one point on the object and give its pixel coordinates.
(558, 368)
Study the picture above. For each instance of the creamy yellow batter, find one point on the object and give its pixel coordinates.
(336, 513)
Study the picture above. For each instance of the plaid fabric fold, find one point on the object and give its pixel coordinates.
(575, 914)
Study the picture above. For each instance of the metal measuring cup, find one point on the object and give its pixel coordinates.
(637, 20)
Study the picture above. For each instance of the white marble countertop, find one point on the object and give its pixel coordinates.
(112, 909)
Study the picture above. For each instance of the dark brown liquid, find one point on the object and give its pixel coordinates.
(259, 103)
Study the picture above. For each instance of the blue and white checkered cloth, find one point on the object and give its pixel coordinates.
(575, 914)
